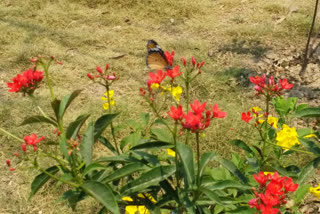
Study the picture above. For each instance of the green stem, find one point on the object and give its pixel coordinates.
(111, 124)
(198, 159)
(58, 179)
(11, 135)
(46, 71)
(176, 156)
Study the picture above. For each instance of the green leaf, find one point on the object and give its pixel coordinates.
(302, 106)
(125, 171)
(242, 145)
(145, 117)
(55, 106)
(134, 125)
(308, 170)
(63, 147)
(86, 145)
(75, 126)
(149, 178)
(41, 179)
(304, 132)
(221, 185)
(132, 140)
(153, 145)
(186, 155)
(107, 144)
(253, 162)
(301, 191)
(153, 159)
(66, 101)
(308, 112)
(102, 193)
(211, 195)
(233, 169)
(310, 145)
(205, 158)
(102, 123)
(284, 106)
(73, 197)
(38, 119)
(162, 135)
(92, 167)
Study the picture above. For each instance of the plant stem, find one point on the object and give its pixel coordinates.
(198, 158)
(293, 149)
(111, 124)
(58, 179)
(46, 71)
(11, 135)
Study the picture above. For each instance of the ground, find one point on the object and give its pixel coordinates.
(235, 38)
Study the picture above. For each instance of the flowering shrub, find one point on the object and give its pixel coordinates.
(154, 169)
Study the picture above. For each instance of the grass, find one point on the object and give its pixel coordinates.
(84, 34)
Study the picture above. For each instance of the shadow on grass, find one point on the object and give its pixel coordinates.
(238, 75)
(253, 47)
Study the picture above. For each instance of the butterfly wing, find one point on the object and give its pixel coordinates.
(156, 60)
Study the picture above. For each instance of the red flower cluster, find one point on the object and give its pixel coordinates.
(160, 75)
(273, 193)
(199, 118)
(32, 141)
(103, 75)
(26, 82)
(271, 88)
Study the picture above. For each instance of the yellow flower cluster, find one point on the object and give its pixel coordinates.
(315, 191)
(287, 137)
(105, 98)
(134, 209)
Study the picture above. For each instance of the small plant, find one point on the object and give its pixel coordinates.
(159, 167)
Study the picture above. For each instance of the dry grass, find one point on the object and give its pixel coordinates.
(87, 33)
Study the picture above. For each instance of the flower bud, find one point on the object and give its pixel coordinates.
(16, 154)
(184, 61)
(70, 152)
(8, 162)
(90, 76)
(99, 70)
(24, 147)
(193, 61)
(12, 169)
(107, 66)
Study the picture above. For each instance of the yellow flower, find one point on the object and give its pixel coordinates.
(256, 109)
(140, 195)
(272, 120)
(287, 137)
(171, 152)
(106, 105)
(268, 173)
(127, 198)
(176, 92)
(315, 191)
(132, 209)
(155, 86)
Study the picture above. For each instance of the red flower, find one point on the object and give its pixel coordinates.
(176, 113)
(197, 108)
(192, 121)
(33, 141)
(270, 199)
(289, 186)
(268, 209)
(156, 78)
(169, 57)
(284, 84)
(246, 117)
(254, 203)
(26, 82)
(200, 65)
(261, 178)
(258, 80)
(217, 112)
(174, 72)
(8, 162)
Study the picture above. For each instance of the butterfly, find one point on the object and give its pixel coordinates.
(156, 59)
